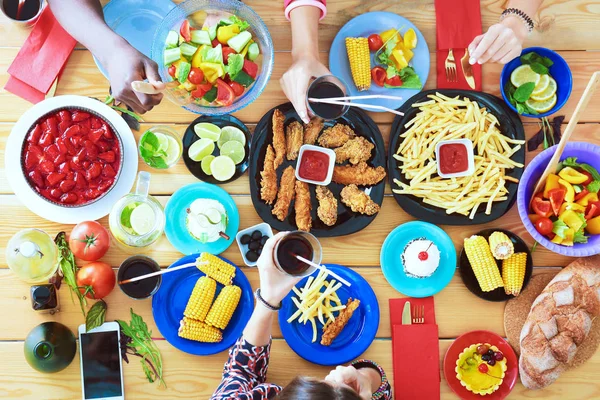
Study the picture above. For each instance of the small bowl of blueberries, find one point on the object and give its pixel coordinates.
(251, 242)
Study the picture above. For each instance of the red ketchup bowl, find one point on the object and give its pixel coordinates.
(454, 158)
(315, 165)
(72, 157)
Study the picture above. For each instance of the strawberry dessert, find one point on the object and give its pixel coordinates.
(71, 157)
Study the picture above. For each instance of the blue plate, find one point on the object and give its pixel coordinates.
(169, 303)
(393, 269)
(135, 21)
(363, 26)
(356, 337)
(175, 213)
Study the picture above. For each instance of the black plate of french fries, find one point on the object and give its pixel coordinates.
(513, 272)
(343, 220)
(499, 149)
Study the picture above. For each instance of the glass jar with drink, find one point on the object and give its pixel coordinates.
(331, 88)
(292, 248)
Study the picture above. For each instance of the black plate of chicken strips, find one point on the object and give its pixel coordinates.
(364, 182)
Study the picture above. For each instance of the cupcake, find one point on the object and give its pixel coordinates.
(481, 368)
(420, 258)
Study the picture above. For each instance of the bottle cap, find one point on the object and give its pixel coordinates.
(41, 295)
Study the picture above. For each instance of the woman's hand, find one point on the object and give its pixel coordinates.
(297, 78)
(501, 43)
(354, 378)
(274, 284)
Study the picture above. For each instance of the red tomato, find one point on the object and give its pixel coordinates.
(238, 89)
(250, 68)
(89, 240)
(378, 75)
(196, 76)
(172, 71)
(375, 42)
(592, 210)
(99, 277)
(226, 52)
(201, 90)
(225, 93)
(556, 197)
(541, 207)
(590, 178)
(544, 226)
(581, 194)
(185, 31)
(394, 81)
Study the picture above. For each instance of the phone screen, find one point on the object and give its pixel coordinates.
(101, 367)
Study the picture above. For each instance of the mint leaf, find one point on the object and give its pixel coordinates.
(150, 139)
(535, 58)
(560, 228)
(523, 92)
(546, 61)
(593, 187)
(539, 68)
(157, 162)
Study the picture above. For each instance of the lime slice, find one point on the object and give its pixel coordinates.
(142, 219)
(213, 215)
(234, 150)
(542, 106)
(205, 164)
(200, 149)
(222, 168)
(229, 133)
(173, 151)
(524, 74)
(206, 130)
(542, 85)
(546, 94)
(163, 141)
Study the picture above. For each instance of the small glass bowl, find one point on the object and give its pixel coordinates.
(165, 130)
(335, 81)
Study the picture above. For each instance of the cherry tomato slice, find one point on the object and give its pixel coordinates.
(185, 31)
(394, 81)
(226, 50)
(225, 94)
(544, 226)
(379, 76)
(375, 42)
(196, 76)
(238, 89)
(172, 71)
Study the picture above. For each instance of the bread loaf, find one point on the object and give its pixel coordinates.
(559, 321)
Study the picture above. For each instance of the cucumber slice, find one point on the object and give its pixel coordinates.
(172, 55)
(212, 32)
(187, 49)
(211, 95)
(243, 79)
(172, 39)
(253, 52)
(201, 37)
(183, 71)
(239, 41)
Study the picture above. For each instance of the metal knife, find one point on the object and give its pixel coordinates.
(467, 69)
(406, 315)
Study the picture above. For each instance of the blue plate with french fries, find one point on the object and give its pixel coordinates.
(313, 315)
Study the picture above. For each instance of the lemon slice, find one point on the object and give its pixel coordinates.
(234, 150)
(542, 85)
(229, 133)
(173, 151)
(200, 149)
(524, 74)
(222, 168)
(542, 106)
(206, 130)
(142, 219)
(205, 164)
(546, 94)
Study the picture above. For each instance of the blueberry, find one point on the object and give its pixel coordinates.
(245, 239)
(254, 246)
(259, 251)
(256, 235)
(486, 357)
(490, 353)
(252, 256)
(492, 362)
(263, 240)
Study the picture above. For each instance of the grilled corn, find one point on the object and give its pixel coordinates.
(199, 331)
(513, 273)
(219, 270)
(201, 299)
(225, 304)
(483, 263)
(360, 62)
(501, 246)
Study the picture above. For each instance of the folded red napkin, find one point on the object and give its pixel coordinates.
(397, 306)
(41, 59)
(458, 22)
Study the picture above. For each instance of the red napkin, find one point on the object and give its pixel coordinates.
(397, 306)
(41, 59)
(458, 22)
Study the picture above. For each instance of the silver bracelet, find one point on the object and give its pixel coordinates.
(519, 14)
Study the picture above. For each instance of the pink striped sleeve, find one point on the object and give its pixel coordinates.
(287, 2)
(292, 4)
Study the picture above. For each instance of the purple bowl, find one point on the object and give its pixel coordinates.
(585, 153)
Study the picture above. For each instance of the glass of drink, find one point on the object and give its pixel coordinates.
(137, 266)
(25, 13)
(325, 87)
(160, 147)
(293, 244)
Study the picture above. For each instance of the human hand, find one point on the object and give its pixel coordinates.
(501, 43)
(296, 79)
(352, 378)
(124, 65)
(274, 284)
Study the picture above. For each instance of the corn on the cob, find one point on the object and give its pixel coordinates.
(360, 62)
(225, 304)
(199, 331)
(501, 246)
(201, 299)
(219, 270)
(513, 273)
(483, 263)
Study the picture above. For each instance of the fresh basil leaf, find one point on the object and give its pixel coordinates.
(539, 68)
(95, 316)
(523, 92)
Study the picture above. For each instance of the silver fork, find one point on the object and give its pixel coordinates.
(451, 67)
(418, 314)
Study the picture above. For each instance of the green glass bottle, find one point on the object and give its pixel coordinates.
(50, 347)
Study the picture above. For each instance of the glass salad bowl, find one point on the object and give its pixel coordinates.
(205, 15)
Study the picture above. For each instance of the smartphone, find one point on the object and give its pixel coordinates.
(101, 366)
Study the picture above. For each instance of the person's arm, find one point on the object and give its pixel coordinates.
(504, 40)
(305, 58)
(84, 20)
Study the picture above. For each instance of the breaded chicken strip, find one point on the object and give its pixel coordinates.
(354, 150)
(278, 138)
(358, 201)
(327, 210)
(336, 136)
(285, 194)
(303, 206)
(268, 180)
(312, 130)
(331, 331)
(294, 135)
(359, 174)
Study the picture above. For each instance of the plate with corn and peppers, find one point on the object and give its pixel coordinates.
(495, 264)
(203, 309)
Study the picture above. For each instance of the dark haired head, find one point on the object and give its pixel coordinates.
(302, 388)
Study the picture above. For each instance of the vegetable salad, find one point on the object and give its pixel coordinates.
(395, 53)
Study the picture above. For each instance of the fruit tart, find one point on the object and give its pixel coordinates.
(480, 368)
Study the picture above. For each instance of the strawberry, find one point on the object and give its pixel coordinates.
(95, 135)
(76, 140)
(62, 147)
(72, 131)
(36, 177)
(109, 171)
(105, 185)
(46, 140)
(86, 164)
(80, 116)
(35, 134)
(64, 116)
(64, 168)
(96, 123)
(51, 126)
(60, 159)
(94, 171)
(52, 151)
(63, 126)
(67, 185)
(33, 156)
(46, 167)
(103, 145)
(69, 198)
(108, 134)
(108, 156)
(92, 150)
(55, 178)
(56, 193)
(80, 181)
(91, 194)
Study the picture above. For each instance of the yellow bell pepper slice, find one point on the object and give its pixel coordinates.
(212, 71)
(386, 35)
(226, 32)
(551, 183)
(407, 53)
(197, 57)
(410, 39)
(568, 240)
(572, 176)
(570, 196)
(585, 200)
(399, 59)
(187, 85)
(557, 240)
(571, 206)
(572, 219)
(593, 226)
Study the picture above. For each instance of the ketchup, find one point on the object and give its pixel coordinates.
(314, 165)
(454, 158)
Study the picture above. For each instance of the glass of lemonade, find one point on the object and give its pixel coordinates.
(160, 147)
(138, 219)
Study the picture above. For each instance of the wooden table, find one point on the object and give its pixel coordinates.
(571, 28)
